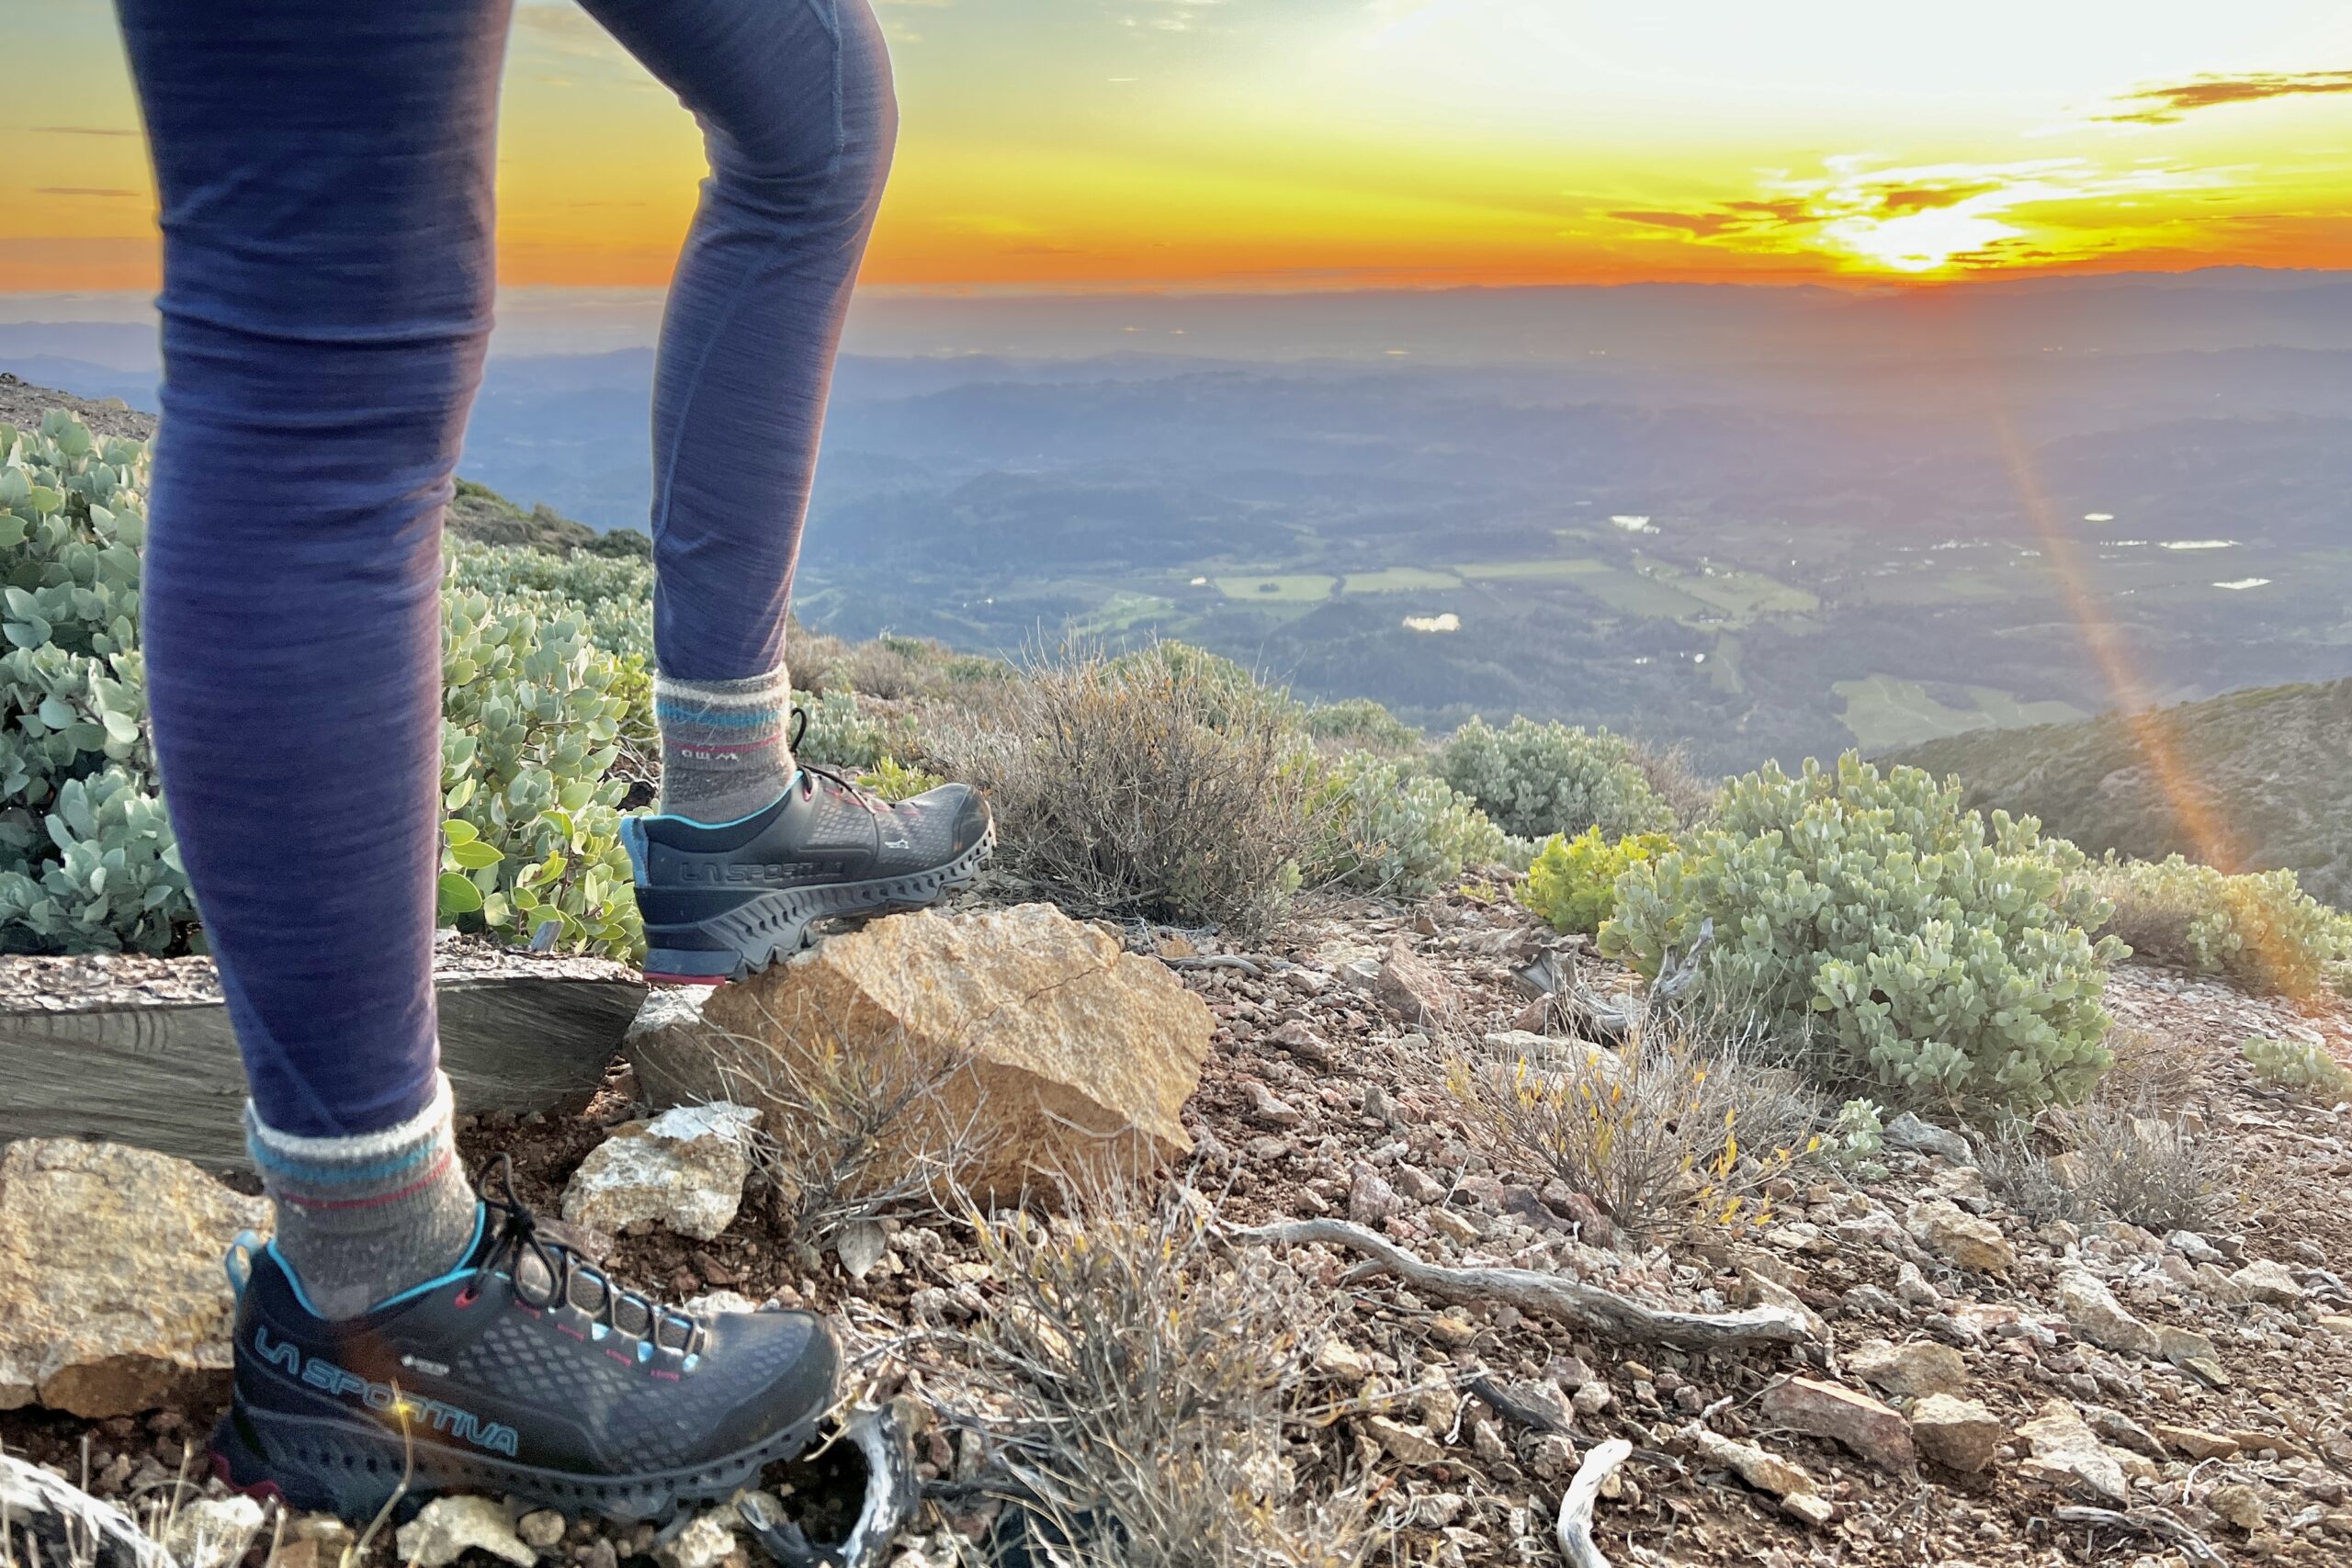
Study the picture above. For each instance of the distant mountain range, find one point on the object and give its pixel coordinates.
(2270, 769)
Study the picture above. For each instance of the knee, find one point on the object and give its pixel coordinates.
(820, 148)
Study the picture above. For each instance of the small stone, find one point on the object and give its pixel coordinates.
(1908, 1132)
(2064, 1449)
(1453, 1222)
(1854, 1420)
(212, 1532)
(705, 1543)
(2099, 1317)
(1550, 1406)
(1553, 1456)
(1372, 1200)
(449, 1526)
(1592, 1399)
(1914, 1289)
(1406, 1445)
(1412, 985)
(860, 1247)
(1419, 1185)
(1488, 1442)
(541, 1527)
(2238, 1503)
(1765, 1472)
(684, 1169)
(1269, 1109)
(2266, 1280)
(1335, 1358)
(1909, 1370)
(2197, 1443)
(1964, 1239)
(1959, 1433)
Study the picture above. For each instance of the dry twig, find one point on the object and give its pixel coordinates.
(1574, 1525)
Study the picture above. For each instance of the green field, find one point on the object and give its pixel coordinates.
(1884, 711)
(1400, 580)
(1743, 595)
(1560, 570)
(1303, 588)
(1124, 612)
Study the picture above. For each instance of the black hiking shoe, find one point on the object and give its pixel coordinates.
(561, 1389)
(721, 902)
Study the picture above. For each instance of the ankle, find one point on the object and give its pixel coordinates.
(365, 1217)
(724, 749)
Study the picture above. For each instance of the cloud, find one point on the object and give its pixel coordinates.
(1727, 219)
(1899, 200)
(2163, 106)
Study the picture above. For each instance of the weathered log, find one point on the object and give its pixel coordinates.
(1574, 1527)
(140, 1051)
(1552, 1296)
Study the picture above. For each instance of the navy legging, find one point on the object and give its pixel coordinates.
(324, 168)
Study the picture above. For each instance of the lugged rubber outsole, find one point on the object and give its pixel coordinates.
(776, 925)
(352, 1469)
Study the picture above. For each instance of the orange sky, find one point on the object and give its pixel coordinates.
(1319, 143)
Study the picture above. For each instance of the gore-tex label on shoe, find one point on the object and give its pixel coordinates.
(322, 1374)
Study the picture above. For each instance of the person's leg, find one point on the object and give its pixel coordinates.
(325, 178)
(794, 101)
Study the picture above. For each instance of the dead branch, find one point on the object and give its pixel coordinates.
(1574, 1526)
(1548, 1295)
(2146, 1521)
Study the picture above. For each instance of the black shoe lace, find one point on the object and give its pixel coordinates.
(519, 1236)
(839, 784)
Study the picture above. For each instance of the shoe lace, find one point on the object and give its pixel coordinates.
(810, 772)
(520, 1234)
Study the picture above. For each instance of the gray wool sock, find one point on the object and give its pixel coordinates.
(724, 752)
(363, 1218)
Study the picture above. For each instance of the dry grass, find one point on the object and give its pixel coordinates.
(2148, 1073)
(2125, 1162)
(1677, 781)
(1143, 787)
(1673, 1131)
(1143, 1393)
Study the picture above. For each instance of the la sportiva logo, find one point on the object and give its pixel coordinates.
(322, 1374)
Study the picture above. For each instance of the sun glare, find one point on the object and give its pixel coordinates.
(1920, 242)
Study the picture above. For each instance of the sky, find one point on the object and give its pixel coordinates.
(1053, 145)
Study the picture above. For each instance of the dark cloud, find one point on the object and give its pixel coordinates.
(1730, 218)
(2162, 106)
(1900, 200)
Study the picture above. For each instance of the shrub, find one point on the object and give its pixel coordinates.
(1652, 1133)
(1147, 788)
(1363, 725)
(1400, 833)
(2261, 930)
(2300, 1064)
(1573, 881)
(891, 779)
(1940, 960)
(1143, 1387)
(1857, 1137)
(1539, 779)
(87, 861)
(1687, 794)
(842, 734)
(2151, 1171)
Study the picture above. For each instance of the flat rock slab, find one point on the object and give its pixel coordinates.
(139, 1050)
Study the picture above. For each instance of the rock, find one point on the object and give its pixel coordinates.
(1759, 1289)
(2196, 1443)
(1907, 1133)
(1406, 1445)
(1959, 1433)
(1909, 1370)
(860, 1245)
(2180, 1346)
(1855, 1421)
(2099, 1317)
(1592, 1399)
(212, 1532)
(684, 1170)
(705, 1543)
(1553, 1457)
(1372, 1200)
(1963, 1239)
(1268, 1108)
(2265, 1280)
(2120, 1431)
(2065, 1449)
(1546, 1401)
(2238, 1503)
(112, 1299)
(2194, 1248)
(1062, 1051)
(448, 1527)
(541, 1527)
(1552, 1053)
(1335, 1358)
(1412, 985)
(1296, 1038)
(1765, 1472)
(1418, 1184)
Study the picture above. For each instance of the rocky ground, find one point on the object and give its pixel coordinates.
(1969, 1386)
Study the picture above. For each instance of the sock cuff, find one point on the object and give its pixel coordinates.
(403, 1148)
(754, 693)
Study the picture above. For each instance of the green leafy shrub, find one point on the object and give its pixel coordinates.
(1222, 690)
(2261, 930)
(87, 862)
(891, 779)
(1572, 882)
(1397, 832)
(1934, 957)
(841, 734)
(531, 725)
(2298, 1065)
(1536, 780)
(1363, 725)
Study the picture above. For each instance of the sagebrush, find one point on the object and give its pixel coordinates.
(2260, 929)
(1536, 780)
(1394, 831)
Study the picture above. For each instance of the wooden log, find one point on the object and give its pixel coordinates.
(140, 1051)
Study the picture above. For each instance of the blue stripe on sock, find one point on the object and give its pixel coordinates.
(718, 718)
(304, 1173)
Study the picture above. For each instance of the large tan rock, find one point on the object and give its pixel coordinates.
(112, 1297)
(1061, 1052)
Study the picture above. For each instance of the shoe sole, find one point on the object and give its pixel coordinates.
(352, 1469)
(776, 925)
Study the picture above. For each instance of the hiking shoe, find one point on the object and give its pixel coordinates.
(524, 1371)
(721, 902)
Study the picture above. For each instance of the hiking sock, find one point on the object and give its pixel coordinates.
(724, 754)
(366, 1217)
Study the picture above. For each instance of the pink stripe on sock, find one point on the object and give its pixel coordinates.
(691, 748)
(433, 1174)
